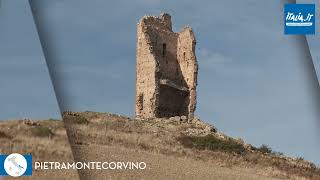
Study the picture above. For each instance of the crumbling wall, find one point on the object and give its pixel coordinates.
(166, 86)
(145, 75)
(188, 65)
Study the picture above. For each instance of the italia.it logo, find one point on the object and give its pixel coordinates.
(299, 19)
(16, 165)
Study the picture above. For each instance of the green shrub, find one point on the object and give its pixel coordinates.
(4, 135)
(211, 142)
(42, 131)
(277, 153)
(265, 149)
(81, 120)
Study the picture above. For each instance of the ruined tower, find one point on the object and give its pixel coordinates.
(166, 69)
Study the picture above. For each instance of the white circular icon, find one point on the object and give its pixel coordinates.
(15, 165)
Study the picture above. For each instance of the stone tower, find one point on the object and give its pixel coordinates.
(166, 69)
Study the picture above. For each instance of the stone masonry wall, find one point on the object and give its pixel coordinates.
(188, 64)
(146, 72)
(166, 69)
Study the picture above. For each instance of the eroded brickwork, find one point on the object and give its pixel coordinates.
(166, 69)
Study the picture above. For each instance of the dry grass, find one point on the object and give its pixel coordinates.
(45, 140)
(4, 135)
(42, 131)
(162, 136)
(210, 142)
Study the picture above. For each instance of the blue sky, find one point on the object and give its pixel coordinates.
(26, 90)
(314, 41)
(254, 82)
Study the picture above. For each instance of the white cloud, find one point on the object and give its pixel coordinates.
(209, 58)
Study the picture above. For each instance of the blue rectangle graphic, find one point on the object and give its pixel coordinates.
(16, 165)
(299, 19)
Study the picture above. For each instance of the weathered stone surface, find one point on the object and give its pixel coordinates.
(30, 122)
(184, 118)
(200, 124)
(175, 119)
(166, 69)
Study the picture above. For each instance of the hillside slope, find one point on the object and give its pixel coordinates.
(45, 140)
(173, 149)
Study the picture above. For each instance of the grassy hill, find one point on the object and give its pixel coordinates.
(46, 140)
(174, 148)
